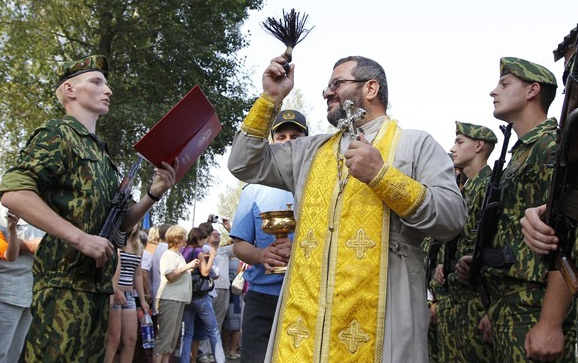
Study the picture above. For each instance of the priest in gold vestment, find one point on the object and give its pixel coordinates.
(355, 289)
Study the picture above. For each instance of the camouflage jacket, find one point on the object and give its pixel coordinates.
(525, 183)
(71, 170)
(473, 193)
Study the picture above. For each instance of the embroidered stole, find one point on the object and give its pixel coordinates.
(333, 305)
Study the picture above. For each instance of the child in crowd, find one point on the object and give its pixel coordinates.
(123, 321)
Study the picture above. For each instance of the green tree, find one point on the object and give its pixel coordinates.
(157, 49)
(295, 101)
(229, 199)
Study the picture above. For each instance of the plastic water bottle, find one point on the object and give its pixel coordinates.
(147, 331)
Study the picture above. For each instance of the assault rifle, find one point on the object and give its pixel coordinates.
(487, 226)
(118, 207)
(562, 206)
(449, 265)
(451, 247)
(431, 260)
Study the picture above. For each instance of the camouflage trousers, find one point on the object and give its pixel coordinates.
(446, 336)
(512, 316)
(432, 344)
(470, 346)
(432, 340)
(67, 326)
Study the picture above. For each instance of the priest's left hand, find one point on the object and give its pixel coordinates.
(363, 160)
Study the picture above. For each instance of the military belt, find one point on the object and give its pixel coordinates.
(499, 287)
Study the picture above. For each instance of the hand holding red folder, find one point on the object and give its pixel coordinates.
(184, 133)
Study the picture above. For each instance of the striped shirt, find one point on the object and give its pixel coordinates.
(128, 265)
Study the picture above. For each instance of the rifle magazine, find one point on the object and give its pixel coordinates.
(118, 238)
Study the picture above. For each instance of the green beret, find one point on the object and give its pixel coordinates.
(67, 70)
(526, 71)
(476, 132)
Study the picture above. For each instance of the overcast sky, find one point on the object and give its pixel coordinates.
(441, 57)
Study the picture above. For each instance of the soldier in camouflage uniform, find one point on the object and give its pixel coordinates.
(473, 145)
(531, 309)
(63, 183)
(442, 342)
(539, 236)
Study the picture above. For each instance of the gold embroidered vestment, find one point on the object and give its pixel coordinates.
(333, 305)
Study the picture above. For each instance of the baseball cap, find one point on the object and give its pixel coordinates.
(290, 116)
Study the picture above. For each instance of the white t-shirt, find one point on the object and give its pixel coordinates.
(180, 289)
(147, 261)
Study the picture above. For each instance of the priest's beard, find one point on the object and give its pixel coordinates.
(338, 113)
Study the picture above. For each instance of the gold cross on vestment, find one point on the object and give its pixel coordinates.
(298, 332)
(399, 191)
(360, 244)
(353, 336)
(308, 244)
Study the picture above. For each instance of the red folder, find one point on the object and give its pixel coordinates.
(184, 133)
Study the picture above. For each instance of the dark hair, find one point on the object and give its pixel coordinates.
(195, 235)
(489, 147)
(366, 68)
(206, 227)
(547, 95)
(163, 231)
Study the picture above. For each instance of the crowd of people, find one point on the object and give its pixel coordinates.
(370, 201)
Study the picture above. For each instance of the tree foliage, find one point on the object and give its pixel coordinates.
(229, 199)
(230, 196)
(295, 101)
(157, 50)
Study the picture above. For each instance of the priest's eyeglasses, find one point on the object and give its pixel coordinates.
(336, 83)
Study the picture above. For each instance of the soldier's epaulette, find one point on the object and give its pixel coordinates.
(54, 123)
(54, 126)
(48, 125)
(66, 122)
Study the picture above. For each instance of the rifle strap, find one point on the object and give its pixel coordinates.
(517, 164)
(450, 261)
(571, 202)
(431, 260)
